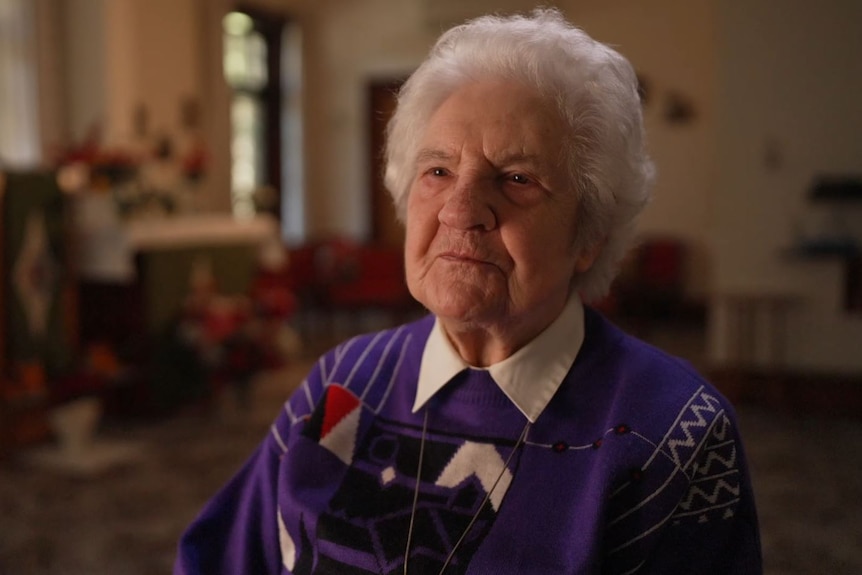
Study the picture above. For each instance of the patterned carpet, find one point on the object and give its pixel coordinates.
(126, 521)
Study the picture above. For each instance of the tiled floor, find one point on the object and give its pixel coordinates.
(806, 473)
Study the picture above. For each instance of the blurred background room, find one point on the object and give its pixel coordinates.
(191, 209)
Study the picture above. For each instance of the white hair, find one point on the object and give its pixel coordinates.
(594, 89)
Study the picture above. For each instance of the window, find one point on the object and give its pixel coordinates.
(263, 69)
(245, 69)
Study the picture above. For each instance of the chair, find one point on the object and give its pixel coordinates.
(650, 288)
(338, 279)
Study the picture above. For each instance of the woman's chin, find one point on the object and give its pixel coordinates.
(461, 295)
(465, 305)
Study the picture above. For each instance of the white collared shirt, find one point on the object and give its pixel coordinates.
(529, 377)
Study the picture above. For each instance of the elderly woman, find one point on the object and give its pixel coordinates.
(513, 430)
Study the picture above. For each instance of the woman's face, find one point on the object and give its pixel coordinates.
(490, 215)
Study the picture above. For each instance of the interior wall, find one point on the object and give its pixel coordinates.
(790, 88)
(671, 44)
(215, 103)
(168, 60)
(83, 44)
(123, 38)
(123, 54)
(51, 73)
(347, 44)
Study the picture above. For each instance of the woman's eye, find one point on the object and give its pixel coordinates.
(519, 179)
(438, 172)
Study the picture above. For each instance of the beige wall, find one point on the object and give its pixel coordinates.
(83, 53)
(790, 92)
(122, 53)
(672, 45)
(347, 44)
(118, 55)
(168, 58)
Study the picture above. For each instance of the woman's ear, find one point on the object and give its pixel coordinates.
(587, 257)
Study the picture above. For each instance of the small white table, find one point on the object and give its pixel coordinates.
(755, 326)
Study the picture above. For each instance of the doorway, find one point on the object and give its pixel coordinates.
(386, 230)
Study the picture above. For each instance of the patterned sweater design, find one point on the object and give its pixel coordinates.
(636, 466)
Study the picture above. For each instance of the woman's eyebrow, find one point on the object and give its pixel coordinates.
(508, 159)
(440, 155)
(432, 154)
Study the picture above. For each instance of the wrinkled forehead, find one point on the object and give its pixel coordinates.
(507, 120)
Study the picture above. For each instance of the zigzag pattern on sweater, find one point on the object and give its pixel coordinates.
(699, 445)
(681, 441)
(714, 488)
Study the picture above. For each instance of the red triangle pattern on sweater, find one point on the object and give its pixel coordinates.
(339, 403)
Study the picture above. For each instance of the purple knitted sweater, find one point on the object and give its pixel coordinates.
(635, 466)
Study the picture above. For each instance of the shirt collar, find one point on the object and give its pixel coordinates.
(529, 377)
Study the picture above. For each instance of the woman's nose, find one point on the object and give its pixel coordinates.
(467, 205)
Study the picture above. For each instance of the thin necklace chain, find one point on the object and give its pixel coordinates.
(475, 517)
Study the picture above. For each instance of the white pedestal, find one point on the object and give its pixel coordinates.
(78, 450)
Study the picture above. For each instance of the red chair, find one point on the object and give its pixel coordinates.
(338, 278)
(651, 283)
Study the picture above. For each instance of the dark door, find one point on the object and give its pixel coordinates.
(386, 230)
